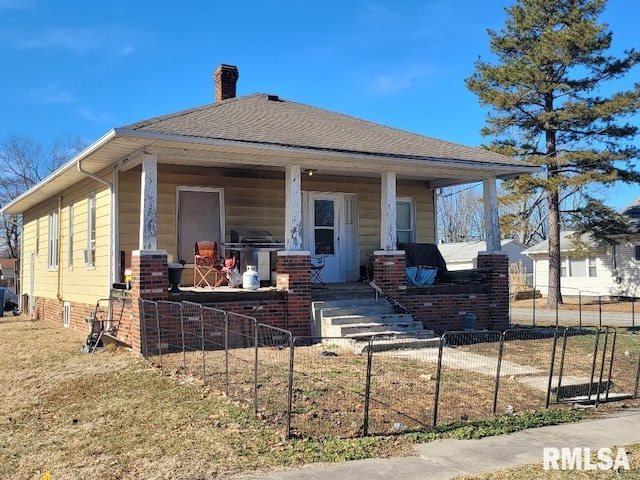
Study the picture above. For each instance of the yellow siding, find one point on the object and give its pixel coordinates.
(81, 283)
(256, 201)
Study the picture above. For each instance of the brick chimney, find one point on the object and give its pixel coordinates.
(225, 78)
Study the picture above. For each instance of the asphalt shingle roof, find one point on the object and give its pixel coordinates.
(266, 119)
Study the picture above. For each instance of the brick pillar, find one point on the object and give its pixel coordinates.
(149, 281)
(498, 263)
(389, 272)
(294, 276)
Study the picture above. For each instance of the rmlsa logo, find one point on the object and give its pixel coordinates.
(580, 458)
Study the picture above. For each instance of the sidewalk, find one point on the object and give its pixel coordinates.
(450, 458)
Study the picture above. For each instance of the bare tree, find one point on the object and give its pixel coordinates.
(460, 214)
(23, 163)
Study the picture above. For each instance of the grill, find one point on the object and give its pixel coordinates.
(257, 248)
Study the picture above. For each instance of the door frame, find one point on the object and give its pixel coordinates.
(346, 238)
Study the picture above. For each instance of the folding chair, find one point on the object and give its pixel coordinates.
(207, 263)
(317, 264)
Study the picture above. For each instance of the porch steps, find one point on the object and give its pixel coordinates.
(356, 321)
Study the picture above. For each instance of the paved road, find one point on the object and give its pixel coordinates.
(450, 458)
(524, 316)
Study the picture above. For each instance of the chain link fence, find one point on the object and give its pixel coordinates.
(336, 387)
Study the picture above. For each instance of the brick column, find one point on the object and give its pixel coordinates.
(149, 281)
(498, 262)
(389, 271)
(294, 276)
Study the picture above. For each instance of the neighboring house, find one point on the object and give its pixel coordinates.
(9, 279)
(317, 181)
(595, 269)
(464, 255)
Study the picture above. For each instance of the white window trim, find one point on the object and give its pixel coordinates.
(412, 209)
(90, 251)
(70, 238)
(566, 263)
(53, 240)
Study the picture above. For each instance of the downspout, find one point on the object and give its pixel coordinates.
(111, 207)
(58, 256)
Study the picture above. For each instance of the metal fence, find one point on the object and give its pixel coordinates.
(320, 387)
(580, 307)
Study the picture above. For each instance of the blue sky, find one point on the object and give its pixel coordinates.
(82, 67)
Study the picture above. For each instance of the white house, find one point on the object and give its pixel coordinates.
(595, 269)
(464, 255)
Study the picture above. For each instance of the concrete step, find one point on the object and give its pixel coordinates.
(376, 328)
(366, 318)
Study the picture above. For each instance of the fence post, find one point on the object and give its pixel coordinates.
(633, 315)
(290, 392)
(184, 349)
(613, 351)
(436, 393)
(553, 360)
(600, 310)
(226, 351)
(604, 354)
(204, 356)
(562, 357)
(255, 367)
(495, 391)
(593, 363)
(533, 310)
(159, 336)
(367, 388)
(580, 308)
(635, 389)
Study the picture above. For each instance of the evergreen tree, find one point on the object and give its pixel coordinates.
(548, 106)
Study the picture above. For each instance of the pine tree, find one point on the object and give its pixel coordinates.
(546, 105)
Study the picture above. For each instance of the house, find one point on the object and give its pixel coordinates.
(311, 181)
(464, 255)
(589, 267)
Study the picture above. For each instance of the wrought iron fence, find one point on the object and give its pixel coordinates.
(317, 387)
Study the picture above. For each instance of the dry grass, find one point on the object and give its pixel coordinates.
(110, 415)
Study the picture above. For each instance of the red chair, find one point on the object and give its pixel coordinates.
(207, 264)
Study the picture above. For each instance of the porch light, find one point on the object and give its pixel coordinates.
(310, 171)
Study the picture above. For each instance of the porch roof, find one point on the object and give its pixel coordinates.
(269, 132)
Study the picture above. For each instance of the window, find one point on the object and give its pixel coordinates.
(70, 238)
(53, 241)
(636, 252)
(37, 250)
(405, 220)
(90, 252)
(578, 267)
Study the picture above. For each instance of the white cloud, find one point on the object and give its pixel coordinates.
(88, 114)
(51, 94)
(80, 40)
(395, 82)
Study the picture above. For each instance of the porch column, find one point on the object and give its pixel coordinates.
(148, 202)
(491, 222)
(388, 236)
(293, 209)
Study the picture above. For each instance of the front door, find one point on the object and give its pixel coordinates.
(330, 233)
(199, 212)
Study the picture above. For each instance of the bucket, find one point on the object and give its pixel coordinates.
(469, 321)
(251, 278)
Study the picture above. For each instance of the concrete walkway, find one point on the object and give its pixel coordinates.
(450, 458)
